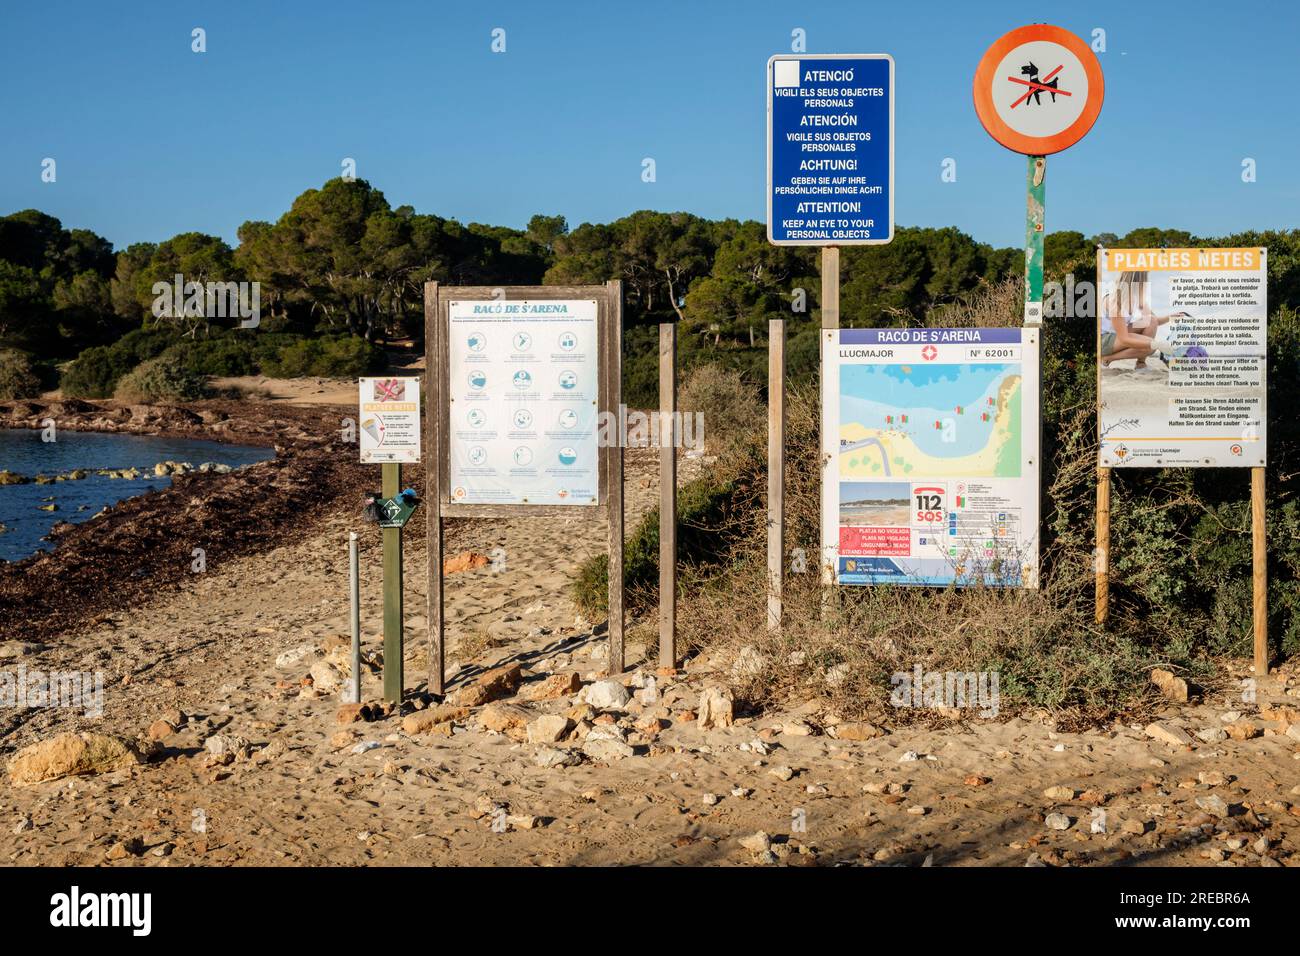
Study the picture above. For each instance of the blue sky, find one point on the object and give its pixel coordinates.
(152, 139)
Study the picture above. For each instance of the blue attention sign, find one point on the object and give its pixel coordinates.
(830, 152)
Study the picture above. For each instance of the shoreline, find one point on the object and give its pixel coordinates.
(147, 544)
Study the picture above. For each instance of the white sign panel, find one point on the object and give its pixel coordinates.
(930, 438)
(1182, 357)
(390, 420)
(524, 387)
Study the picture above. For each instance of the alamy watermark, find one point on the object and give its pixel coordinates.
(947, 690)
(634, 429)
(62, 689)
(208, 300)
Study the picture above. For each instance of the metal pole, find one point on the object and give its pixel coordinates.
(1036, 191)
(392, 480)
(354, 571)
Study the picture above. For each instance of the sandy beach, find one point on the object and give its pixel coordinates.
(244, 653)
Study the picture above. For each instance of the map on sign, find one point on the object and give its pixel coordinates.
(943, 420)
(932, 450)
(830, 163)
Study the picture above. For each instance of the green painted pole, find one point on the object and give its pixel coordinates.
(1036, 190)
(392, 593)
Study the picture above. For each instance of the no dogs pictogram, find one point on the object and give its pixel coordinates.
(1036, 88)
(1031, 111)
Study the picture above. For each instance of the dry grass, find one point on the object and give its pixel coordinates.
(843, 644)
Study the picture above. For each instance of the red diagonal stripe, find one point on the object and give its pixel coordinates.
(1038, 86)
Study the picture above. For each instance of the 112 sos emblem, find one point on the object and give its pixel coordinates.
(929, 505)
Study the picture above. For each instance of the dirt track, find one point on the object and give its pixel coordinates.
(315, 791)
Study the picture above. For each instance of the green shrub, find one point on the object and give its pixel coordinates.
(162, 379)
(346, 356)
(18, 375)
(222, 355)
(704, 507)
(96, 371)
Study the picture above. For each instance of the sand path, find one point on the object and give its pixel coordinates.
(968, 794)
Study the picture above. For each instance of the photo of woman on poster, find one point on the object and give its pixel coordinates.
(1129, 326)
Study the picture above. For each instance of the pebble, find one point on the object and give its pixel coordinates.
(222, 744)
(555, 757)
(715, 709)
(781, 773)
(1058, 821)
(606, 748)
(1169, 734)
(606, 695)
(1213, 804)
(548, 729)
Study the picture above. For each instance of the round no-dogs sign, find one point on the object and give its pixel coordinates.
(1038, 89)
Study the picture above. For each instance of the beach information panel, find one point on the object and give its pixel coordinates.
(930, 438)
(523, 379)
(1182, 358)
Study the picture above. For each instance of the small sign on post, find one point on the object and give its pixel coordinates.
(390, 435)
(1038, 89)
(390, 420)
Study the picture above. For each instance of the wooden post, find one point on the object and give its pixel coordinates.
(614, 473)
(1259, 548)
(830, 320)
(830, 287)
(775, 471)
(1101, 556)
(392, 592)
(667, 494)
(1035, 214)
(433, 338)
